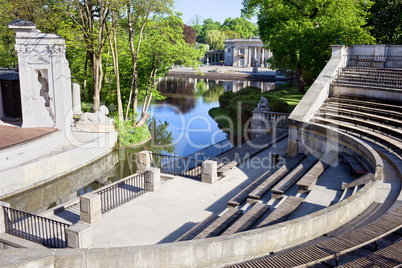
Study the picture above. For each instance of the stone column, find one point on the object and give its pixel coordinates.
(90, 208)
(144, 160)
(152, 179)
(209, 171)
(79, 236)
(76, 99)
(263, 58)
(2, 216)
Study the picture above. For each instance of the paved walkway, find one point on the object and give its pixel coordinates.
(11, 135)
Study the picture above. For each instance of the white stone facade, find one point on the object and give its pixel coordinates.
(242, 52)
(45, 77)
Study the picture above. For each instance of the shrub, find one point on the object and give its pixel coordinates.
(225, 98)
(249, 91)
(130, 135)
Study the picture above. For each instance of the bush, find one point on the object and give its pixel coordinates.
(130, 135)
(225, 98)
(249, 91)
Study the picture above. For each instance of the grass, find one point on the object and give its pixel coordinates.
(288, 94)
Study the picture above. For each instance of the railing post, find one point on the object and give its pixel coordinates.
(144, 160)
(3, 217)
(152, 179)
(79, 236)
(209, 171)
(90, 208)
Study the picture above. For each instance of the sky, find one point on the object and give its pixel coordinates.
(218, 10)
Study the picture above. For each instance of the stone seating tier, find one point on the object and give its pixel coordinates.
(270, 181)
(297, 173)
(281, 213)
(355, 164)
(374, 111)
(333, 247)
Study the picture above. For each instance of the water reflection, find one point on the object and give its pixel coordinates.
(66, 187)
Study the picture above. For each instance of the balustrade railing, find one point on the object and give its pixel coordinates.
(47, 232)
(176, 165)
(368, 76)
(393, 62)
(121, 192)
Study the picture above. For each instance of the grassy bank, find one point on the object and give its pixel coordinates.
(283, 99)
(130, 136)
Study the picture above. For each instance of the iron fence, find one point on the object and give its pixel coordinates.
(121, 192)
(212, 150)
(47, 232)
(393, 62)
(176, 165)
(366, 76)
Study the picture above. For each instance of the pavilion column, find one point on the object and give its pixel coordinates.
(249, 57)
(262, 57)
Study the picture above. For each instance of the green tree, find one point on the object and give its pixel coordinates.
(138, 12)
(164, 44)
(241, 26)
(215, 39)
(386, 21)
(299, 33)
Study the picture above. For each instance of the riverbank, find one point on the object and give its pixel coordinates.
(218, 72)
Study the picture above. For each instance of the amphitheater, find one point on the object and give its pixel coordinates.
(345, 134)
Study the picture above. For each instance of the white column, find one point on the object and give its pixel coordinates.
(249, 56)
(1, 104)
(262, 57)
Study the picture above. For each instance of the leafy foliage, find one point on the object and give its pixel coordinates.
(130, 135)
(386, 21)
(300, 33)
(214, 33)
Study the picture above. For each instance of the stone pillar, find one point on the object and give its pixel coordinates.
(152, 179)
(90, 208)
(2, 216)
(209, 171)
(144, 160)
(1, 104)
(79, 236)
(262, 58)
(76, 99)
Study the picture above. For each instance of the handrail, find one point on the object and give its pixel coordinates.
(374, 61)
(35, 228)
(177, 165)
(122, 191)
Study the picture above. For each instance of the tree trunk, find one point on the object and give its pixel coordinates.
(113, 47)
(134, 55)
(299, 76)
(291, 78)
(143, 119)
(96, 73)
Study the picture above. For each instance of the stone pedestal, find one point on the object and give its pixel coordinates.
(2, 216)
(144, 160)
(76, 99)
(209, 171)
(79, 236)
(90, 208)
(255, 69)
(152, 179)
